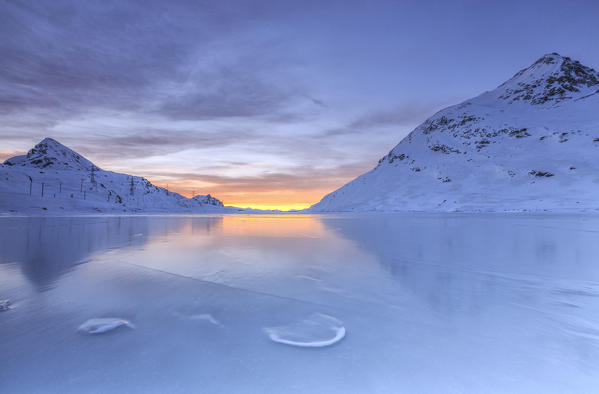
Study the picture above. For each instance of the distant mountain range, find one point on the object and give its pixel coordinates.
(52, 178)
(532, 144)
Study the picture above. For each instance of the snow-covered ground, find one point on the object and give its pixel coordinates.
(53, 179)
(529, 145)
(377, 303)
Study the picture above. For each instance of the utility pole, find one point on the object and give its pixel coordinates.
(60, 188)
(93, 177)
(43, 189)
(30, 184)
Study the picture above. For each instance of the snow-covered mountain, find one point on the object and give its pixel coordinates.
(208, 200)
(55, 179)
(530, 144)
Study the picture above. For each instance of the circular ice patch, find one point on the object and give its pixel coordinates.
(317, 330)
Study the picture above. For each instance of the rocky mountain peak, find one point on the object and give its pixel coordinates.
(551, 79)
(50, 153)
(208, 200)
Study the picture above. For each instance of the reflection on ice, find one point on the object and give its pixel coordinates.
(317, 330)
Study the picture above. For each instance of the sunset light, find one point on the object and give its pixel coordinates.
(299, 197)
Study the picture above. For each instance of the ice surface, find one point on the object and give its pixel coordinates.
(443, 303)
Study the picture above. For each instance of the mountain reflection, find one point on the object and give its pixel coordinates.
(468, 262)
(47, 248)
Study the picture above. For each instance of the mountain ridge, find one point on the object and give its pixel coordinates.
(54, 178)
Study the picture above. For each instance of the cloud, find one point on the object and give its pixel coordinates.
(226, 93)
(409, 114)
(183, 60)
(62, 58)
(156, 142)
(318, 102)
(294, 178)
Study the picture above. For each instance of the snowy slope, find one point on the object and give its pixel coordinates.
(54, 179)
(530, 144)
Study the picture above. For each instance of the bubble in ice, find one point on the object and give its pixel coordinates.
(317, 330)
(308, 277)
(5, 305)
(102, 325)
(201, 317)
(206, 317)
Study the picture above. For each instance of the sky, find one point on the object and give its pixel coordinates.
(266, 104)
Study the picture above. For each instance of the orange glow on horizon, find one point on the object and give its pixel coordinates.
(284, 201)
(266, 199)
(272, 226)
(281, 207)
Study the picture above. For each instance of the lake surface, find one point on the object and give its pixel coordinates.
(446, 303)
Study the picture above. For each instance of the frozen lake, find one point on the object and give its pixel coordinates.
(418, 303)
